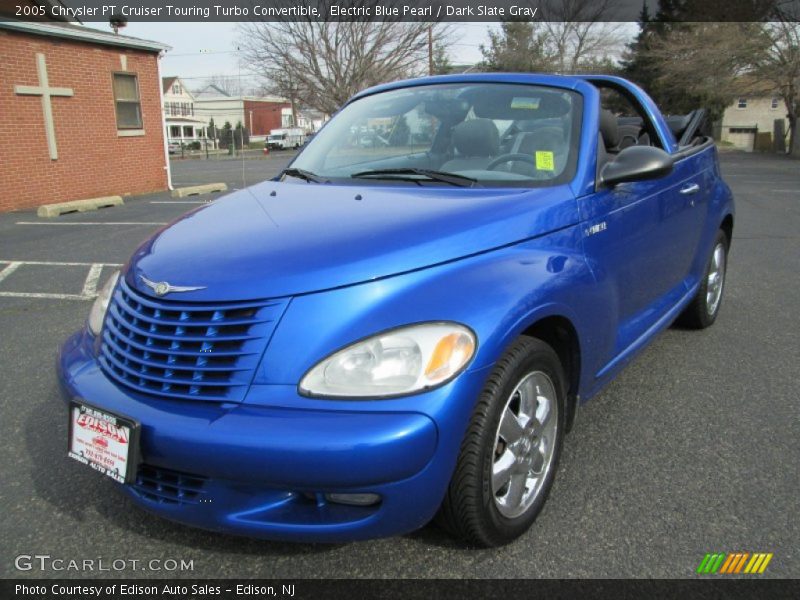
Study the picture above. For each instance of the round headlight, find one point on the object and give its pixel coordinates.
(398, 362)
(100, 306)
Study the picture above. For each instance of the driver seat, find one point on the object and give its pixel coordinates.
(476, 142)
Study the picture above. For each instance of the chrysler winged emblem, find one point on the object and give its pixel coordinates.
(162, 288)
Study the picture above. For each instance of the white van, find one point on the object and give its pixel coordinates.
(281, 139)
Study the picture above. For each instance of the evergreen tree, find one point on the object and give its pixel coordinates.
(441, 61)
(636, 64)
(516, 47)
(211, 129)
(641, 66)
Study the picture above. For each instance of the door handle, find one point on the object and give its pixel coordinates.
(690, 189)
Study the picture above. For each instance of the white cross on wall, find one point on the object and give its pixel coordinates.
(46, 92)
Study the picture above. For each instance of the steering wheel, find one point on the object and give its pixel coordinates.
(515, 157)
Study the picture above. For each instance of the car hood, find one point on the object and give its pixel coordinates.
(282, 239)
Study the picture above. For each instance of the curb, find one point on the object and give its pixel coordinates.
(59, 208)
(196, 190)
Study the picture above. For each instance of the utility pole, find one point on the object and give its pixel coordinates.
(430, 49)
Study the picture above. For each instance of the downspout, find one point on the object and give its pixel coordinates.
(167, 167)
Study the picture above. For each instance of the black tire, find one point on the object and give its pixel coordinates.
(469, 510)
(700, 314)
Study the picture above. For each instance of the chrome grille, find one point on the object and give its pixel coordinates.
(188, 350)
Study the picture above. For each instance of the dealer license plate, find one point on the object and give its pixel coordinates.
(104, 441)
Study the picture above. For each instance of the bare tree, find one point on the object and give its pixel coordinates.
(578, 33)
(705, 63)
(573, 36)
(322, 63)
(713, 63)
(777, 68)
(230, 84)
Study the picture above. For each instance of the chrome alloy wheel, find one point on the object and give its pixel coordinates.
(524, 444)
(716, 279)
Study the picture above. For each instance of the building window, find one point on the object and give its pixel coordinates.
(176, 89)
(774, 104)
(741, 103)
(126, 98)
(188, 132)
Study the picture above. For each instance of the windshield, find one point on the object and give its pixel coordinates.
(488, 133)
(276, 136)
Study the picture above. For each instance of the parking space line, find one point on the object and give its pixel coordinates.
(91, 223)
(47, 296)
(89, 291)
(12, 266)
(48, 263)
(90, 284)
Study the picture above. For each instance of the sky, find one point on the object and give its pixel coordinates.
(201, 50)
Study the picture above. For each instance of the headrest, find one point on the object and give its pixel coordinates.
(549, 139)
(448, 110)
(476, 137)
(609, 129)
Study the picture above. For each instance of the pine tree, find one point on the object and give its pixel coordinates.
(441, 61)
(636, 64)
(517, 47)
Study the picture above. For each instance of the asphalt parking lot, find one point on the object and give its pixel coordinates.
(237, 173)
(693, 449)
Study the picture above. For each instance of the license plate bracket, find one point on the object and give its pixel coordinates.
(103, 440)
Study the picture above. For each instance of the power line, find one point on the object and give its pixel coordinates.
(203, 53)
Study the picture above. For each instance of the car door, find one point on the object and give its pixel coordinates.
(686, 208)
(694, 168)
(632, 239)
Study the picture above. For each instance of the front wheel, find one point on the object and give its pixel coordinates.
(510, 452)
(704, 308)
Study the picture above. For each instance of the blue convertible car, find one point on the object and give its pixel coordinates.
(404, 323)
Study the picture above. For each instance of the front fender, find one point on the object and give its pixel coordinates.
(497, 294)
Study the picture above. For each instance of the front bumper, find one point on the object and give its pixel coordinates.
(263, 469)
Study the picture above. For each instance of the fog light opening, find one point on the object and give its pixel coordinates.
(354, 499)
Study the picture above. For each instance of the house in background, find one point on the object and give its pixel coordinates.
(308, 119)
(80, 114)
(259, 114)
(180, 122)
(750, 118)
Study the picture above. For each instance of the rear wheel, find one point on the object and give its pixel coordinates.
(704, 308)
(510, 452)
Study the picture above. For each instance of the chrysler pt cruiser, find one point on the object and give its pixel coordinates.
(403, 324)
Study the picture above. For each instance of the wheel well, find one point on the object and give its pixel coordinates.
(727, 227)
(560, 335)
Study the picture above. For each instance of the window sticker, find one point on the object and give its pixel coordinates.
(522, 102)
(544, 161)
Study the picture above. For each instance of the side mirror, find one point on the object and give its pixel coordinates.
(637, 163)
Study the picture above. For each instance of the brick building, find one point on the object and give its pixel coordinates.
(80, 114)
(259, 114)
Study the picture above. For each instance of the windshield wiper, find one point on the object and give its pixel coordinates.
(451, 178)
(303, 174)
